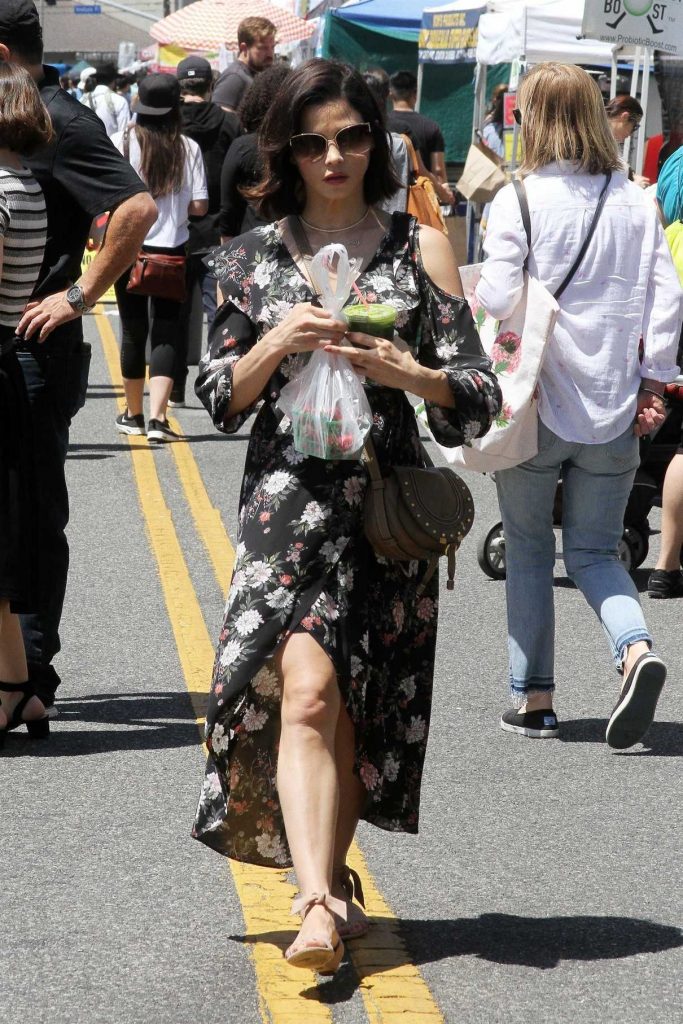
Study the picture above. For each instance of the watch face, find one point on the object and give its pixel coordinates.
(74, 294)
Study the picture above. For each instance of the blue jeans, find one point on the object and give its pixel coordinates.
(596, 482)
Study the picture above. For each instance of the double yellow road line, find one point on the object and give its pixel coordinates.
(392, 987)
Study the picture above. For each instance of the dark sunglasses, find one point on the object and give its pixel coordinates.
(353, 140)
(517, 114)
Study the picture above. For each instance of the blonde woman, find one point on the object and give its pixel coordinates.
(596, 396)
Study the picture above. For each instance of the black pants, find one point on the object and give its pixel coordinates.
(164, 321)
(55, 375)
(197, 274)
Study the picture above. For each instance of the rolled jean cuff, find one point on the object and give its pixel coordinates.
(636, 636)
(519, 690)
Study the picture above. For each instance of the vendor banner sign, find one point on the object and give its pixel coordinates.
(450, 37)
(657, 26)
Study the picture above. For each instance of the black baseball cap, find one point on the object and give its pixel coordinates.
(194, 68)
(19, 21)
(158, 94)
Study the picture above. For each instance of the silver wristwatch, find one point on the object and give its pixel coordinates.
(76, 299)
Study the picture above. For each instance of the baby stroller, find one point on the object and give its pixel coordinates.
(656, 452)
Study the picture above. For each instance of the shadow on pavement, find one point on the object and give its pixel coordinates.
(145, 721)
(663, 739)
(542, 943)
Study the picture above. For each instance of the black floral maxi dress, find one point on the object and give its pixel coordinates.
(302, 561)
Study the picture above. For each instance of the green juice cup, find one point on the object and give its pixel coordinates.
(375, 319)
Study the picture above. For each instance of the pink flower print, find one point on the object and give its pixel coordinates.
(264, 517)
(371, 296)
(229, 342)
(369, 774)
(285, 580)
(504, 416)
(425, 608)
(506, 352)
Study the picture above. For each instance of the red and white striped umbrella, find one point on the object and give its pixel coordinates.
(210, 24)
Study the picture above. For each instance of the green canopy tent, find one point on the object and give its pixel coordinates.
(384, 33)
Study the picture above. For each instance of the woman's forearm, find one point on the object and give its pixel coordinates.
(434, 387)
(253, 371)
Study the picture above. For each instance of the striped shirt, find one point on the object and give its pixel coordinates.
(23, 228)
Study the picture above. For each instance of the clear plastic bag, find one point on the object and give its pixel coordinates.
(326, 403)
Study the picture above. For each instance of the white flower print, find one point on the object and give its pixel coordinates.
(292, 456)
(356, 666)
(278, 482)
(352, 490)
(240, 551)
(253, 720)
(313, 514)
(407, 687)
(239, 582)
(259, 573)
(266, 683)
(416, 730)
(219, 740)
(280, 599)
(272, 847)
(248, 621)
(231, 652)
(329, 552)
(212, 785)
(390, 768)
(262, 274)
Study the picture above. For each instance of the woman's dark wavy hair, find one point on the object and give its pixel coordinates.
(318, 81)
(258, 98)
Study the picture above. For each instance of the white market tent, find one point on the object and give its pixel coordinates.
(533, 31)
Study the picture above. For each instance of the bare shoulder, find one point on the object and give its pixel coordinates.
(439, 260)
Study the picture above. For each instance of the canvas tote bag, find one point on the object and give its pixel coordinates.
(516, 350)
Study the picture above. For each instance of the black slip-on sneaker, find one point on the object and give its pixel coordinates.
(665, 583)
(634, 711)
(159, 431)
(537, 725)
(126, 424)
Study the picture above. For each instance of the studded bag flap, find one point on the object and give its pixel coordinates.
(415, 513)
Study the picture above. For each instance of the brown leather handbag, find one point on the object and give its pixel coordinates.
(159, 275)
(415, 513)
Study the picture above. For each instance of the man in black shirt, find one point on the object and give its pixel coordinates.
(82, 176)
(256, 41)
(424, 133)
(213, 130)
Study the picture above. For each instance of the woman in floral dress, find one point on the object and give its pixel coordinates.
(321, 696)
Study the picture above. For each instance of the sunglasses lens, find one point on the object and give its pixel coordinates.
(355, 140)
(517, 114)
(308, 146)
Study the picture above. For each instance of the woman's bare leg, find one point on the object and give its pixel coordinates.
(307, 777)
(159, 394)
(352, 797)
(13, 668)
(134, 391)
(672, 516)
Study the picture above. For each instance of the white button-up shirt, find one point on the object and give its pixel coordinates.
(625, 289)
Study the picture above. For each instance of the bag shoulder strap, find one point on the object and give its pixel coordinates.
(526, 221)
(526, 216)
(587, 240)
(126, 142)
(412, 155)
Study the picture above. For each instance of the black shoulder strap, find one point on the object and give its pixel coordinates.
(126, 142)
(526, 218)
(526, 221)
(586, 243)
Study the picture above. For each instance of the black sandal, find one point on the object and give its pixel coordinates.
(38, 728)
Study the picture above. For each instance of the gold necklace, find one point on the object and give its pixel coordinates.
(332, 231)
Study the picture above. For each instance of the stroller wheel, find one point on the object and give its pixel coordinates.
(491, 553)
(634, 546)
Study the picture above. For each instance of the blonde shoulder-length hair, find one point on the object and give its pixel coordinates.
(563, 118)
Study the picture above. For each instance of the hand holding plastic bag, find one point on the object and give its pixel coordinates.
(326, 403)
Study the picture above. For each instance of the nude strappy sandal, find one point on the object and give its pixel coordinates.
(356, 924)
(316, 955)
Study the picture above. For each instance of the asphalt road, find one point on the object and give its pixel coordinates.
(545, 884)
